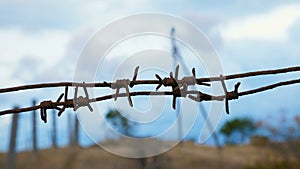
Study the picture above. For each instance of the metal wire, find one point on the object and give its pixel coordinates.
(179, 89)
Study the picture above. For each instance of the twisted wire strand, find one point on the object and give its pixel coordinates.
(76, 102)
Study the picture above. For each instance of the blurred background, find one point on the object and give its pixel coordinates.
(40, 41)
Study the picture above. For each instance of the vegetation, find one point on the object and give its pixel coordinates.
(237, 130)
(119, 122)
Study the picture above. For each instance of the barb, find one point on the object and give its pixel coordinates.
(226, 93)
(66, 98)
(179, 89)
(171, 82)
(229, 95)
(132, 83)
(48, 104)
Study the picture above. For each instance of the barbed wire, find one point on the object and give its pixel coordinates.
(179, 89)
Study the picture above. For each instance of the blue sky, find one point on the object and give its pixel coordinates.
(40, 41)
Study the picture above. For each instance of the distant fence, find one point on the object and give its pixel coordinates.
(26, 132)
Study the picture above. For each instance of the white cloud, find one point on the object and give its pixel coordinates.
(48, 44)
(272, 25)
(47, 47)
(34, 15)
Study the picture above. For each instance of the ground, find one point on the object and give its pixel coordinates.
(188, 155)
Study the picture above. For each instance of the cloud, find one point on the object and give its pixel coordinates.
(272, 25)
(62, 68)
(267, 40)
(294, 32)
(35, 15)
(27, 69)
(206, 23)
(44, 47)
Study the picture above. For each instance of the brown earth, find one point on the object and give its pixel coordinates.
(189, 155)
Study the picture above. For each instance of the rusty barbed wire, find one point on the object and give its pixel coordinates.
(179, 89)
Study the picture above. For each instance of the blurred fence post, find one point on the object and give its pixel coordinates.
(54, 131)
(34, 128)
(76, 131)
(11, 158)
(70, 126)
(73, 125)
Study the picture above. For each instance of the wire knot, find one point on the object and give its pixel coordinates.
(171, 82)
(48, 104)
(82, 101)
(123, 83)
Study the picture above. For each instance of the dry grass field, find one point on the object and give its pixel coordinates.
(188, 155)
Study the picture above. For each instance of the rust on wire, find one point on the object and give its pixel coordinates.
(48, 104)
(81, 101)
(171, 82)
(124, 83)
(143, 82)
(179, 88)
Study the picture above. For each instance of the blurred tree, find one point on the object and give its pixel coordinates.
(286, 133)
(237, 130)
(121, 123)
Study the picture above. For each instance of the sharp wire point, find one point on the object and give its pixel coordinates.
(75, 93)
(160, 81)
(132, 83)
(90, 107)
(135, 73)
(61, 111)
(194, 72)
(129, 97)
(43, 115)
(226, 93)
(117, 93)
(66, 93)
(236, 86)
(60, 97)
(174, 103)
(158, 77)
(158, 86)
(85, 91)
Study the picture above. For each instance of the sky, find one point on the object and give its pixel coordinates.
(41, 41)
